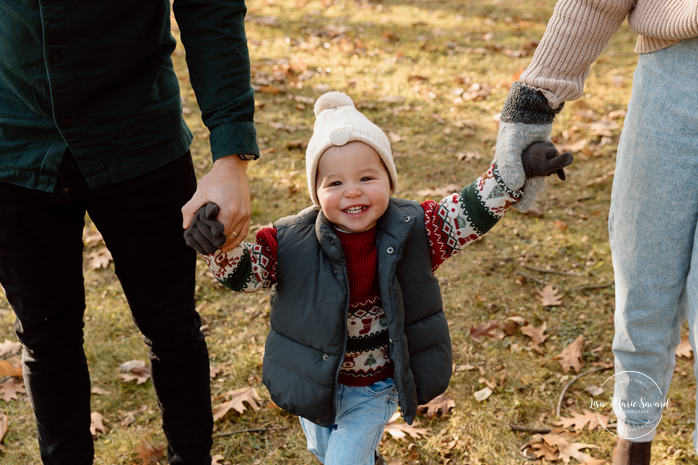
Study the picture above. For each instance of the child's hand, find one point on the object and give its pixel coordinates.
(541, 159)
(205, 234)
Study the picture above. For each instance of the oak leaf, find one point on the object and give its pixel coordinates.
(97, 424)
(149, 453)
(6, 369)
(578, 420)
(536, 334)
(549, 296)
(10, 388)
(482, 330)
(568, 450)
(684, 348)
(400, 429)
(134, 369)
(509, 327)
(8, 348)
(444, 402)
(4, 425)
(99, 258)
(545, 451)
(571, 356)
(237, 399)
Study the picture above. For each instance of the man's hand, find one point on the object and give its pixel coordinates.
(226, 186)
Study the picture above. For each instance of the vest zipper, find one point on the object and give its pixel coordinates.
(344, 346)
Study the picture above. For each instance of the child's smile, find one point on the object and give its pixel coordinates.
(353, 186)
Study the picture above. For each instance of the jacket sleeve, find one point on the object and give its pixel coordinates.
(576, 35)
(213, 34)
(459, 219)
(249, 267)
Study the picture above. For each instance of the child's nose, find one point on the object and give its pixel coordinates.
(353, 191)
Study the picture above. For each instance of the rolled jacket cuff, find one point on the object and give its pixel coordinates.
(234, 139)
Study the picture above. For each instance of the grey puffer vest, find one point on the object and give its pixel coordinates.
(306, 344)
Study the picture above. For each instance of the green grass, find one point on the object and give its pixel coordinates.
(407, 64)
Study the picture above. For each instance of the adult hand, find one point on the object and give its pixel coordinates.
(226, 186)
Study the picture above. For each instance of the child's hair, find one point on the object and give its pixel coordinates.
(337, 123)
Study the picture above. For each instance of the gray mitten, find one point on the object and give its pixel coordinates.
(526, 118)
(541, 159)
(205, 233)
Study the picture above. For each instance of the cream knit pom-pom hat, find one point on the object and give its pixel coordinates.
(337, 123)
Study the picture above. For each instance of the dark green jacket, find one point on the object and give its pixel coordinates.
(306, 344)
(96, 76)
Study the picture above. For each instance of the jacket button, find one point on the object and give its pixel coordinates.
(407, 219)
(390, 250)
(55, 56)
(66, 122)
(336, 272)
(391, 341)
(325, 357)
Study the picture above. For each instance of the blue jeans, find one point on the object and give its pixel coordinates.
(652, 229)
(362, 413)
(41, 271)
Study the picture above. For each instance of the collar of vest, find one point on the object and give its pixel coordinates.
(394, 227)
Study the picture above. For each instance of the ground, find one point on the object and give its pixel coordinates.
(434, 75)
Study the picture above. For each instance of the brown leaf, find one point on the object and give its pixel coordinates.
(400, 429)
(492, 384)
(10, 388)
(444, 402)
(561, 225)
(8, 348)
(568, 450)
(440, 191)
(130, 417)
(578, 420)
(508, 326)
(6, 369)
(135, 369)
(96, 424)
(684, 348)
(536, 334)
(482, 330)
(483, 394)
(270, 89)
(571, 356)
(4, 425)
(99, 391)
(237, 398)
(99, 258)
(214, 370)
(545, 451)
(149, 453)
(549, 296)
(217, 459)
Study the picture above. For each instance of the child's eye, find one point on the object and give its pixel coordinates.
(366, 178)
(336, 183)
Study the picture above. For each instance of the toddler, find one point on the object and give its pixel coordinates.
(357, 325)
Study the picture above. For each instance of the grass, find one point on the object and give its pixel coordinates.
(410, 66)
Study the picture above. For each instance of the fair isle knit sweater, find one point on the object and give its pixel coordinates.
(579, 30)
(453, 223)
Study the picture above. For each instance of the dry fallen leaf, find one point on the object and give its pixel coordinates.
(4, 425)
(8, 348)
(578, 420)
(149, 453)
(135, 369)
(99, 391)
(96, 424)
(440, 191)
(214, 370)
(99, 258)
(571, 356)
(483, 394)
(568, 450)
(130, 417)
(444, 402)
(6, 369)
(10, 388)
(549, 296)
(237, 398)
(482, 330)
(400, 429)
(545, 451)
(536, 334)
(508, 326)
(217, 459)
(684, 349)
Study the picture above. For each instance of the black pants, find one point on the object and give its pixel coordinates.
(41, 271)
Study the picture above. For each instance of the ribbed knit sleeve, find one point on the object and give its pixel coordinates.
(576, 35)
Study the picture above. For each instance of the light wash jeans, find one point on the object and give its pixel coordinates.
(362, 414)
(652, 228)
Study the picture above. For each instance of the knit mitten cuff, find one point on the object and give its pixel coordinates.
(527, 105)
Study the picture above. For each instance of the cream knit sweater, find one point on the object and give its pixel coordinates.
(579, 30)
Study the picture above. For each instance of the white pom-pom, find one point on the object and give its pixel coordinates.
(332, 100)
